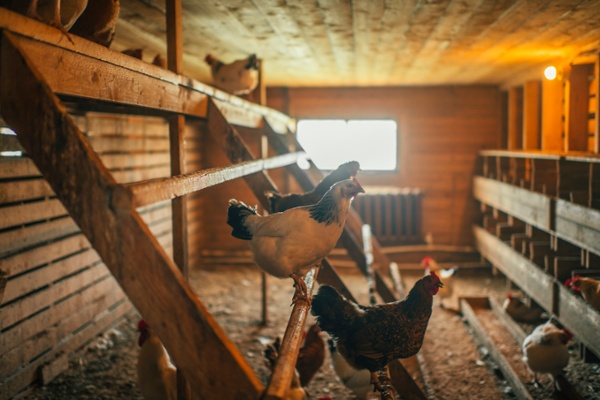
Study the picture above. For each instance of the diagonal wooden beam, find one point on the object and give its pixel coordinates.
(147, 275)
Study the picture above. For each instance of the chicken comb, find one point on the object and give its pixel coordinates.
(509, 295)
(432, 273)
(572, 280)
(142, 325)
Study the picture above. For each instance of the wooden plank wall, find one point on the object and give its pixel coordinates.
(441, 130)
(59, 294)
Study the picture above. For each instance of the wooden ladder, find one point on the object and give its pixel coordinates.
(106, 211)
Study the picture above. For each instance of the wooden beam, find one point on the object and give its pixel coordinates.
(530, 207)
(552, 115)
(285, 366)
(577, 104)
(515, 118)
(160, 189)
(596, 148)
(531, 115)
(578, 224)
(579, 317)
(148, 276)
(117, 78)
(517, 268)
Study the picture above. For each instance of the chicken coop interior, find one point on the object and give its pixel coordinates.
(216, 168)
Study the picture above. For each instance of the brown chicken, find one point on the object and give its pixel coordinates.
(61, 14)
(281, 203)
(98, 22)
(517, 308)
(310, 356)
(369, 337)
(589, 288)
(296, 391)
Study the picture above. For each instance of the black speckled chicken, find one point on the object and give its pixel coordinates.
(369, 337)
(291, 242)
(281, 203)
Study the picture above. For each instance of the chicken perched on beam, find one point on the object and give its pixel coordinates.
(369, 337)
(157, 376)
(61, 14)
(237, 77)
(281, 203)
(545, 350)
(589, 289)
(98, 22)
(291, 242)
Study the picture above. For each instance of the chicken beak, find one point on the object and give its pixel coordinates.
(439, 284)
(359, 189)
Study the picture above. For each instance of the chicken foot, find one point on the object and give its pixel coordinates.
(379, 380)
(301, 292)
(55, 21)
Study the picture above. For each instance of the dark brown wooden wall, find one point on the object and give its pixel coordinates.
(440, 129)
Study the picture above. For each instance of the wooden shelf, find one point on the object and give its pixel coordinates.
(554, 195)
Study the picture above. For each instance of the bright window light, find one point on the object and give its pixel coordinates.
(329, 143)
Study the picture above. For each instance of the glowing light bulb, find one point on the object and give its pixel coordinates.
(550, 73)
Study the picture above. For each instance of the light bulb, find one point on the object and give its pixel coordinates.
(550, 73)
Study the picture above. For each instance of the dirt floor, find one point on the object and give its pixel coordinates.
(452, 364)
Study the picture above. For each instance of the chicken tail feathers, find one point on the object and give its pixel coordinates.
(334, 313)
(236, 214)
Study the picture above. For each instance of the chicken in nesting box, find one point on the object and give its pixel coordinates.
(237, 77)
(588, 287)
(369, 337)
(517, 308)
(291, 242)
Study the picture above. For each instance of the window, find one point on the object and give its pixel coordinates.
(329, 143)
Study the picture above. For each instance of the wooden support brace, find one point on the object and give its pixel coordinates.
(147, 275)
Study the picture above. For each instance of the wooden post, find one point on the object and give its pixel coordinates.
(515, 117)
(596, 148)
(552, 114)
(531, 115)
(264, 153)
(576, 105)
(176, 133)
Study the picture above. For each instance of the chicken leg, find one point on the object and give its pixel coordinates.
(55, 21)
(301, 292)
(383, 388)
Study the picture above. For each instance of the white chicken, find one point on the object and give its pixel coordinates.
(445, 274)
(589, 288)
(358, 381)
(545, 350)
(237, 77)
(291, 242)
(517, 308)
(157, 376)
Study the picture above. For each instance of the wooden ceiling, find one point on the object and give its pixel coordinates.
(374, 42)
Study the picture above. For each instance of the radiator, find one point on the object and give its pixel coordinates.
(394, 214)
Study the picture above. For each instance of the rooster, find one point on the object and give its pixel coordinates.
(589, 288)
(237, 77)
(157, 376)
(281, 203)
(290, 243)
(545, 350)
(519, 311)
(358, 381)
(429, 264)
(369, 337)
(271, 353)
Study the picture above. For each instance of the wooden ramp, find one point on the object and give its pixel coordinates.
(31, 90)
